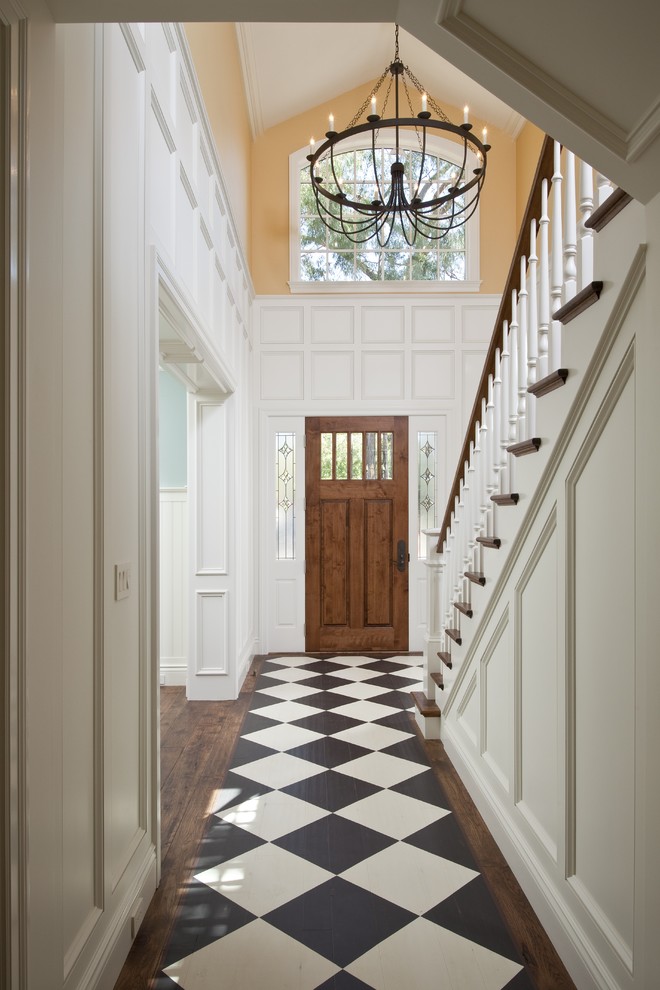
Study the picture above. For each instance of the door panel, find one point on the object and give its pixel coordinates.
(357, 512)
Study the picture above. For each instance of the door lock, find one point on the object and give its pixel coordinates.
(401, 555)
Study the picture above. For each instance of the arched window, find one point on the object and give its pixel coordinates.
(321, 259)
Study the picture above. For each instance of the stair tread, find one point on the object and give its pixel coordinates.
(477, 577)
(445, 657)
(581, 300)
(548, 384)
(493, 542)
(602, 215)
(510, 498)
(464, 608)
(438, 680)
(529, 446)
(424, 705)
(454, 634)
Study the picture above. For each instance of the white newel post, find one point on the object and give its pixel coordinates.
(433, 639)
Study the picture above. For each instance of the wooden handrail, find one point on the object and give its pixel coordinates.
(544, 170)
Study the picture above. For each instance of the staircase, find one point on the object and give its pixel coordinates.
(550, 284)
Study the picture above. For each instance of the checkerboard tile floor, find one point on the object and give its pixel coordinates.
(332, 860)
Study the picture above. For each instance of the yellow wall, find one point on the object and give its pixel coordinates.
(528, 149)
(214, 49)
(270, 188)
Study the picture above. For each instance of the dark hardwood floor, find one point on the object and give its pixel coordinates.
(197, 743)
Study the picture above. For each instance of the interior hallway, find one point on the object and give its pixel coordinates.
(311, 838)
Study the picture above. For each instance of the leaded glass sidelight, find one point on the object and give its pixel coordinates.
(427, 443)
(285, 517)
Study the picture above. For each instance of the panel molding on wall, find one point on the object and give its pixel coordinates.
(211, 489)
(212, 633)
(490, 696)
(173, 584)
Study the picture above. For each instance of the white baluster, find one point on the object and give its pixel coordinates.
(604, 187)
(544, 284)
(532, 331)
(504, 402)
(570, 228)
(490, 439)
(557, 273)
(483, 458)
(586, 234)
(513, 384)
(497, 420)
(523, 430)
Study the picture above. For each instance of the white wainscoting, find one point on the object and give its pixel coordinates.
(173, 585)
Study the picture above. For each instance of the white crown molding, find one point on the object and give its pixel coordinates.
(250, 78)
(644, 133)
(12, 11)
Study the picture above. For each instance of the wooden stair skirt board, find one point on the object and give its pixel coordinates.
(493, 542)
(525, 447)
(454, 634)
(464, 608)
(511, 498)
(446, 658)
(438, 681)
(549, 383)
(582, 300)
(614, 203)
(476, 577)
(424, 705)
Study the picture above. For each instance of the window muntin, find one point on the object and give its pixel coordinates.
(365, 456)
(285, 493)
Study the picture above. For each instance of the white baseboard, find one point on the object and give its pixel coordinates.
(173, 671)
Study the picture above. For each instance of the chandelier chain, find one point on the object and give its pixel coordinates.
(358, 116)
(420, 89)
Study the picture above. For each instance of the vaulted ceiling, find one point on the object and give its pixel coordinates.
(585, 71)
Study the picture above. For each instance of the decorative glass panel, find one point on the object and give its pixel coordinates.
(341, 456)
(371, 456)
(356, 456)
(285, 529)
(386, 455)
(326, 457)
(428, 510)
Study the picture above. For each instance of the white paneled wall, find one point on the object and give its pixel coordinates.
(362, 355)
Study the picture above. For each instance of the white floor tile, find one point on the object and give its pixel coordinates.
(355, 661)
(448, 961)
(372, 736)
(359, 690)
(290, 674)
(411, 877)
(256, 957)
(394, 814)
(414, 661)
(365, 711)
(272, 815)
(288, 692)
(264, 878)
(287, 711)
(283, 736)
(381, 769)
(357, 673)
(408, 673)
(279, 770)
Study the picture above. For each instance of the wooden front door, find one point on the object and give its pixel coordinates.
(356, 533)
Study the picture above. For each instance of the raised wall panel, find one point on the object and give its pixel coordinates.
(219, 328)
(332, 325)
(211, 519)
(468, 711)
(332, 375)
(173, 560)
(285, 602)
(282, 326)
(185, 231)
(282, 375)
(204, 262)
(477, 324)
(162, 185)
(383, 375)
(496, 700)
(211, 632)
(161, 63)
(378, 542)
(433, 375)
(602, 671)
(433, 324)
(334, 562)
(383, 324)
(185, 124)
(537, 690)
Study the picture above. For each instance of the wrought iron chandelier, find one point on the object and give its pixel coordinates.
(414, 195)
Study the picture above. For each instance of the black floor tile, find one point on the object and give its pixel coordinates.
(424, 787)
(203, 917)
(339, 920)
(327, 722)
(471, 912)
(248, 751)
(334, 843)
(329, 752)
(393, 683)
(344, 981)
(331, 790)
(324, 682)
(408, 749)
(222, 841)
(444, 838)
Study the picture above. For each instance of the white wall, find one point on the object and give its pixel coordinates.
(546, 712)
(414, 355)
(88, 260)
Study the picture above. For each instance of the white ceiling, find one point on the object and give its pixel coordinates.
(290, 68)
